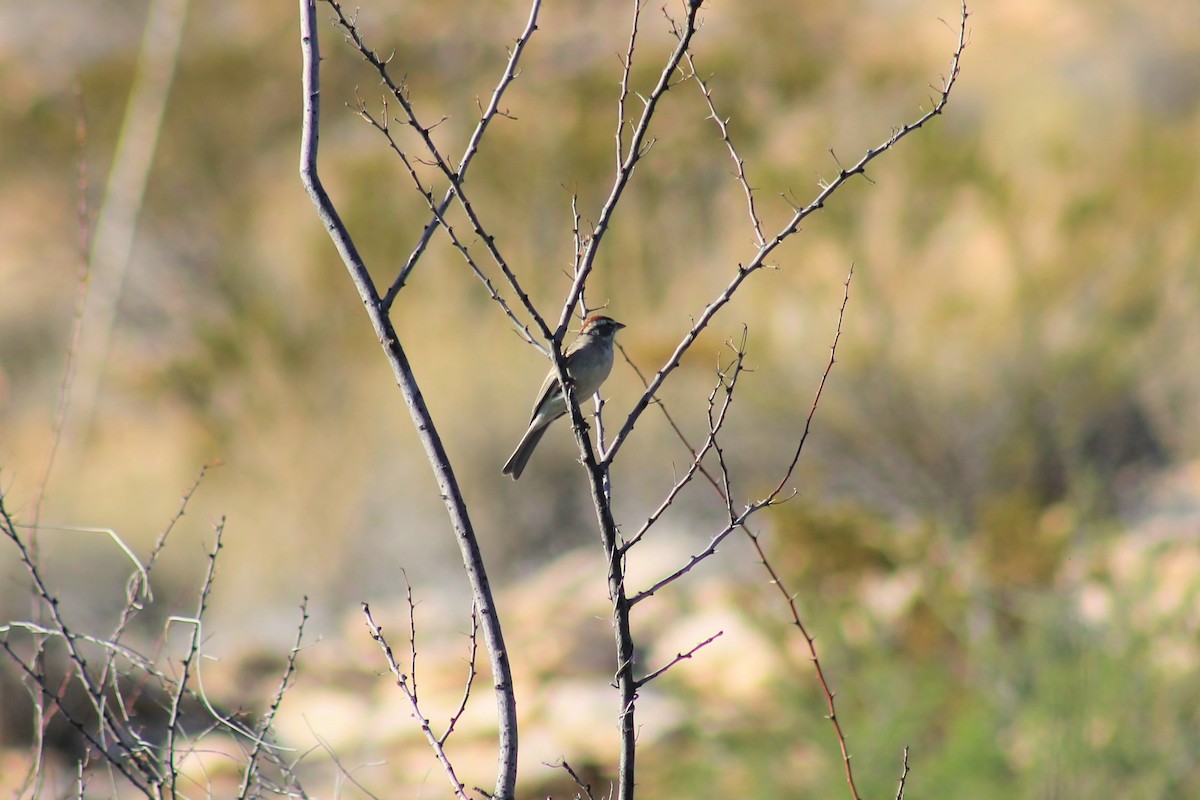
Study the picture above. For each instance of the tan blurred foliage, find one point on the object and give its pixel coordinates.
(1018, 369)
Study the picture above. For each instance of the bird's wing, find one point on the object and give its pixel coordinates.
(549, 388)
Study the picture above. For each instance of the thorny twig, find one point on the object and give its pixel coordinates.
(759, 259)
(679, 657)
(382, 124)
(637, 147)
(264, 726)
(727, 378)
(439, 750)
(485, 118)
(471, 673)
(453, 175)
(739, 163)
(189, 661)
(562, 764)
(720, 485)
(903, 774)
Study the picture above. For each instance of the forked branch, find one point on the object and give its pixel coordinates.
(435, 452)
(758, 259)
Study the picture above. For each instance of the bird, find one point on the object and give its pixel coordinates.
(589, 360)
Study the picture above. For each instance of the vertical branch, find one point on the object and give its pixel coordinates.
(624, 680)
(435, 452)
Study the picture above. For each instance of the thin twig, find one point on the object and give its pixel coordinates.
(189, 661)
(471, 673)
(727, 378)
(633, 154)
(679, 657)
(623, 97)
(738, 520)
(381, 124)
(264, 726)
(812, 411)
(337, 762)
(84, 730)
(507, 77)
(739, 163)
(810, 641)
(50, 603)
(776, 581)
(439, 160)
(903, 774)
(138, 591)
(759, 259)
(427, 431)
(412, 635)
(439, 751)
(563, 765)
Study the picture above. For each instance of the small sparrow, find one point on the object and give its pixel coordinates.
(589, 360)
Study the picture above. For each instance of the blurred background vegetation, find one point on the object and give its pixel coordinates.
(995, 536)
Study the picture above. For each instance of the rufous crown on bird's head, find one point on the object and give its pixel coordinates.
(600, 325)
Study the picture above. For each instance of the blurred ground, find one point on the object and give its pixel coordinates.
(997, 514)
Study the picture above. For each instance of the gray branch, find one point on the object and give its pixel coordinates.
(439, 461)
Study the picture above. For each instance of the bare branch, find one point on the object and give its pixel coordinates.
(788, 597)
(738, 520)
(810, 641)
(493, 108)
(562, 764)
(626, 66)
(739, 163)
(633, 154)
(903, 774)
(134, 778)
(138, 590)
(439, 160)
(50, 603)
(189, 660)
(759, 259)
(406, 689)
(380, 123)
(727, 378)
(268, 719)
(439, 461)
(471, 673)
(412, 635)
(837, 336)
(679, 657)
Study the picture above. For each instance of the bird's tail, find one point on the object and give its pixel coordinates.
(520, 457)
